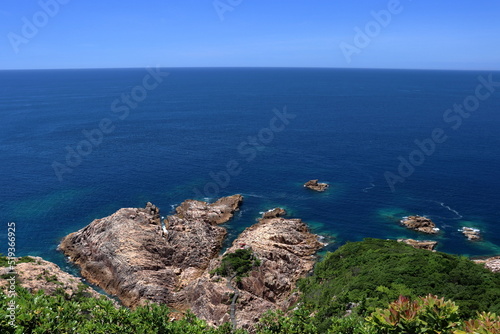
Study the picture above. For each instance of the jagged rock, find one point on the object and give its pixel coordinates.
(315, 185)
(130, 255)
(492, 263)
(216, 213)
(47, 276)
(420, 224)
(286, 250)
(425, 244)
(472, 234)
(274, 213)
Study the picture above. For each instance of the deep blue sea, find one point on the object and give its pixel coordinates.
(260, 132)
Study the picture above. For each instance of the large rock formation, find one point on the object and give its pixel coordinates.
(130, 254)
(420, 244)
(286, 250)
(420, 224)
(34, 274)
(315, 185)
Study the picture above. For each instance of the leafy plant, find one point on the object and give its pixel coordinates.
(486, 323)
(428, 314)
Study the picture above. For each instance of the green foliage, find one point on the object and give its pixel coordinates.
(372, 273)
(360, 279)
(298, 322)
(237, 264)
(426, 315)
(353, 324)
(39, 313)
(486, 323)
(60, 313)
(4, 261)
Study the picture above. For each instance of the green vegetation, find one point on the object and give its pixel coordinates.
(4, 261)
(370, 274)
(39, 313)
(424, 315)
(60, 313)
(358, 289)
(237, 264)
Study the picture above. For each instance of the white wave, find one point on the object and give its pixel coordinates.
(450, 209)
(372, 185)
(253, 195)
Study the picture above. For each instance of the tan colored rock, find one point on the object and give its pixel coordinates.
(425, 244)
(315, 185)
(131, 255)
(274, 213)
(420, 224)
(472, 234)
(47, 276)
(286, 250)
(492, 263)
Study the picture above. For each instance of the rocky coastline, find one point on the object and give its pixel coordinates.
(492, 263)
(135, 256)
(35, 274)
(140, 257)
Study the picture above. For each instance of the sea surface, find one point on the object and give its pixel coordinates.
(76, 145)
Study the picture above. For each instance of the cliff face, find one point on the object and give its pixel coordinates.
(286, 250)
(130, 254)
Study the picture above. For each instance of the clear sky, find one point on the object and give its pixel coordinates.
(430, 34)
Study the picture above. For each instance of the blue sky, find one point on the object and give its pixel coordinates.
(425, 34)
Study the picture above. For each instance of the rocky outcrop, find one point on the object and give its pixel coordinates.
(424, 244)
(472, 234)
(274, 213)
(286, 250)
(138, 258)
(492, 263)
(35, 274)
(132, 255)
(315, 185)
(420, 224)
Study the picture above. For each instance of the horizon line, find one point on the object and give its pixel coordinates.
(248, 67)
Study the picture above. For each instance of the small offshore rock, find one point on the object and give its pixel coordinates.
(273, 213)
(472, 234)
(420, 224)
(315, 185)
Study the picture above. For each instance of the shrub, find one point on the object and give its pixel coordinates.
(424, 315)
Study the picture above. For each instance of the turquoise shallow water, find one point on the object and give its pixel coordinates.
(348, 128)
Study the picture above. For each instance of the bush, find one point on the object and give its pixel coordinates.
(372, 273)
(425, 315)
(237, 264)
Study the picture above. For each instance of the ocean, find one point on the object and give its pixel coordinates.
(76, 145)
